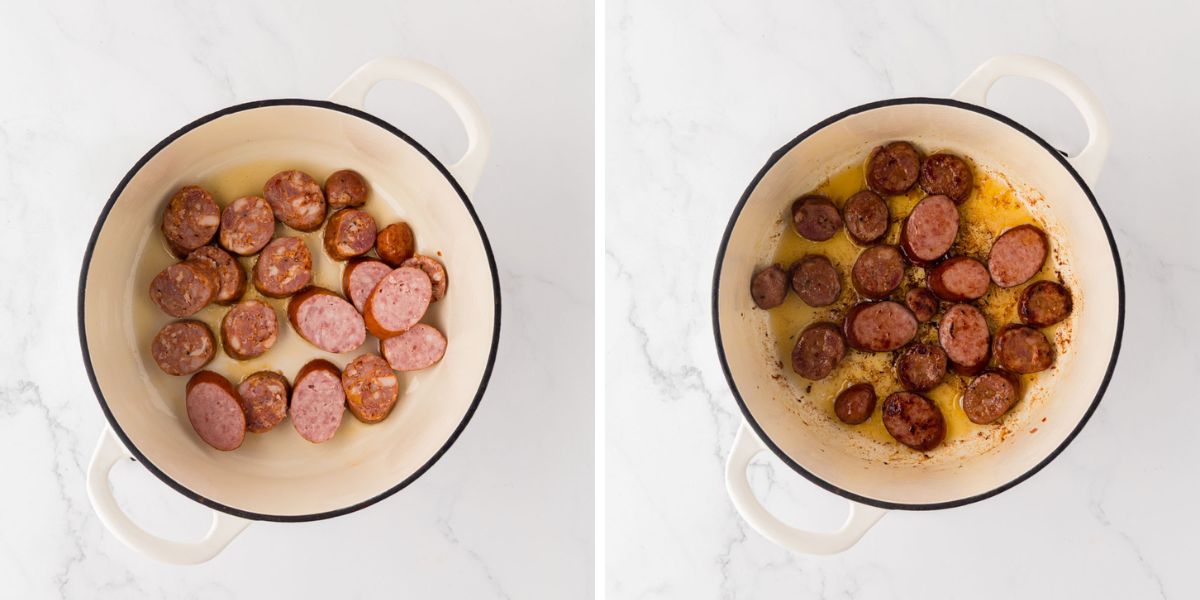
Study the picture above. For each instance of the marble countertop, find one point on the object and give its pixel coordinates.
(507, 512)
(699, 96)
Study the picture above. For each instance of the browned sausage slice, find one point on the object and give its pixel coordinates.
(1044, 303)
(249, 329)
(815, 217)
(296, 200)
(922, 303)
(989, 396)
(396, 243)
(1017, 255)
(371, 388)
(963, 334)
(247, 224)
(397, 302)
(1022, 349)
(231, 277)
(930, 230)
(893, 168)
(349, 232)
(360, 277)
(914, 421)
(960, 279)
(921, 367)
(183, 347)
(855, 404)
(190, 220)
(768, 287)
(318, 401)
(818, 350)
(215, 411)
(182, 289)
(879, 326)
(867, 217)
(878, 271)
(948, 175)
(283, 268)
(437, 274)
(345, 188)
(264, 400)
(421, 347)
(326, 320)
(816, 280)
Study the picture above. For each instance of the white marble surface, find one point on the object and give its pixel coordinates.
(89, 87)
(699, 95)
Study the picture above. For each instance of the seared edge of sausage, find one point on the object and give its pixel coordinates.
(218, 420)
(371, 387)
(436, 272)
(395, 243)
(345, 188)
(406, 290)
(348, 233)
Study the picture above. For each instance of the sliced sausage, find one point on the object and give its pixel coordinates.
(360, 277)
(215, 411)
(397, 302)
(921, 367)
(818, 350)
(326, 320)
(283, 268)
(879, 326)
(247, 224)
(1022, 349)
(930, 230)
(396, 243)
(768, 287)
(421, 347)
(914, 420)
(922, 303)
(371, 388)
(867, 217)
(855, 404)
(345, 188)
(878, 271)
(296, 200)
(893, 168)
(231, 277)
(190, 220)
(947, 174)
(437, 274)
(989, 396)
(249, 329)
(815, 217)
(959, 279)
(1017, 255)
(963, 334)
(350, 232)
(182, 289)
(264, 398)
(183, 347)
(816, 280)
(1044, 303)
(318, 401)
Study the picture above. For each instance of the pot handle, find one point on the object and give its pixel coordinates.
(108, 452)
(746, 446)
(353, 93)
(1089, 160)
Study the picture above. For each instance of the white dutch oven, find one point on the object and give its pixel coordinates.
(1070, 212)
(277, 476)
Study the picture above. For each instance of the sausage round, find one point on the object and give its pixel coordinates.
(1017, 255)
(371, 388)
(930, 230)
(318, 401)
(264, 398)
(815, 217)
(215, 411)
(182, 289)
(345, 188)
(855, 404)
(947, 174)
(396, 243)
(768, 287)
(183, 347)
(921, 367)
(922, 303)
(959, 279)
(893, 168)
(963, 334)
(879, 326)
(867, 217)
(190, 220)
(247, 224)
(296, 200)
(816, 280)
(249, 329)
(914, 420)
(231, 277)
(283, 268)
(360, 277)
(350, 232)
(326, 320)
(1044, 303)
(421, 347)
(878, 271)
(989, 396)
(437, 274)
(818, 350)
(1022, 349)
(397, 302)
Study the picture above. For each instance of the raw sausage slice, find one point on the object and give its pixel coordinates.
(420, 347)
(948, 175)
(1017, 255)
(264, 400)
(247, 224)
(1044, 303)
(231, 277)
(182, 289)
(371, 388)
(215, 411)
(960, 279)
(396, 243)
(397, 302)
(893, 169)
(878, 271)
(989, 396)
(437, 274)
(283, 268)
(318, 401)
(296, 200)
(855, 404)
(326, 321)
(815, 217)
(768, 287)
(345, 188)
(963, 334)
(867, 217)
(360, 277)
(190, 220)
(249, 329)
(349, 232)
(1022, 349)
(921, 367)
(183, 347)
(879, 326)
(914, 421)
(816, 280)
(818, 350)
(922, 303)
(930, 230)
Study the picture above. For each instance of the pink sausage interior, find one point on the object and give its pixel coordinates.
(216, 416)
(317, 405)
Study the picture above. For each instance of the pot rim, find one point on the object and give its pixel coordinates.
(737, 211)
(87, 259)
